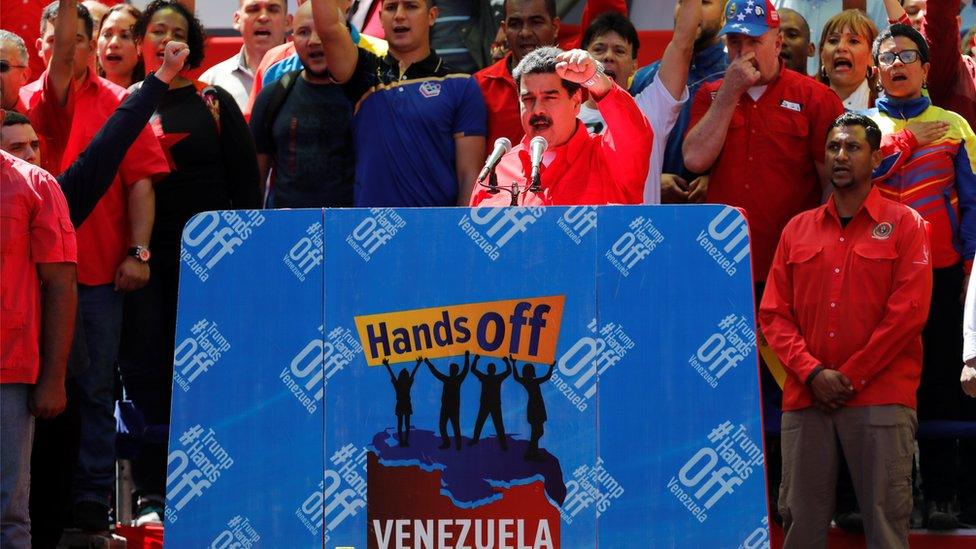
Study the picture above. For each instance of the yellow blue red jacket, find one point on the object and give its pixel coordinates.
(938, 180)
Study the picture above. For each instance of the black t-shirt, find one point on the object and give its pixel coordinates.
(212, 168)
(310, 141)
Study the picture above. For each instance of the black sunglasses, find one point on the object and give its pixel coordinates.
(6, 66)
(905, 56)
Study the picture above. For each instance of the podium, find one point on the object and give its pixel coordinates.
(637, 424)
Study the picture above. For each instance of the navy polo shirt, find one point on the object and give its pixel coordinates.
(404, 130)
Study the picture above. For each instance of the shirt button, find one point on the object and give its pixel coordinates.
(831, 334)
(836, 270)
(750, 158)
(842, 239)
(399, 89)
(833, 305)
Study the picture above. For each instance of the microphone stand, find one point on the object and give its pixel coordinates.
(493, 182)
(536, 183)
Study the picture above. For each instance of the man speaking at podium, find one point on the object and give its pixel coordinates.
(558, 163)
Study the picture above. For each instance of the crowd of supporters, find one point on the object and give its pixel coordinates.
(314, 111)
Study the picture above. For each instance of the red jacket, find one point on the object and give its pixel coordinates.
(588, 169)
(501, 99)
(851, 299)
(952, 77)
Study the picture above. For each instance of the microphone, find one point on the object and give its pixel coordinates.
(537, 147)
(502, 146)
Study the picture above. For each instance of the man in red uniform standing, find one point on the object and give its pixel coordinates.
(846, 299)
(67, 109)
(577, 168)
(528, 24)
(758, 124)
(39, 295)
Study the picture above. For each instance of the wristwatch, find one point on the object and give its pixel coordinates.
(141, 253)
(596, 76)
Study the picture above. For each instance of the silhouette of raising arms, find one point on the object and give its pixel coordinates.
(491, 401)
(451, 400)
(401, 386)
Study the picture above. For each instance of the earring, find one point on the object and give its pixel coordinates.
(823, 72)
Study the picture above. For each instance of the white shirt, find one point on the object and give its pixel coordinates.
(858, 101)
(817, 12)
(969, 325)
(661, 110)
(234, 76)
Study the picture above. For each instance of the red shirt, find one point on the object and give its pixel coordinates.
(35, 227)
(588, 169)
(768, 164)
(851, 299)
(104, 236)
(501, 99)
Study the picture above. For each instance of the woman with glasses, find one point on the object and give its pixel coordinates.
(937, 179)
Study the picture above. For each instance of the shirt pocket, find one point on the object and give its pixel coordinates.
(807, 264)
(787, 136)
(874, 262)
(15, 252)
(15, 231)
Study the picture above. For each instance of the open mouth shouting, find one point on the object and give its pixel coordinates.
(843, 64)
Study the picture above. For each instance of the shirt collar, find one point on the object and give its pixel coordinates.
(428, 66)
(242, 62)
(860, 99)
(710, 61)
(871, 205)
(569, 150)
(903, 108)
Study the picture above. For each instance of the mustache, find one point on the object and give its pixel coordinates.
(537, 118)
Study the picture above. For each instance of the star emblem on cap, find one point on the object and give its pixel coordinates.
(740, 17)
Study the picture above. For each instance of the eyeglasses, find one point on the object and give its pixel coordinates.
(905, 56)
(6, 66)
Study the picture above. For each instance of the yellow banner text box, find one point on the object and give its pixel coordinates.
(527, 329)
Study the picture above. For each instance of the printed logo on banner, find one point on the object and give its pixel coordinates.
(588, 358)
(590, 485)
(316, 363)
(492, 228)
(329, 503)
(239, 534)
(198, 353)
(375, 231)
(211, 236)
(758, 538)
(726, 240)
(438, 332)
(634, 245)
(724, 349)
(198, 466)
(577, 221)
(307, 253)
(714, 471)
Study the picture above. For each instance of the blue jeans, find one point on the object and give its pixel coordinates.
(96, 346)
(16, 433)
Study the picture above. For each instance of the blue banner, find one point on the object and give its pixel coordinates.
(493, 377)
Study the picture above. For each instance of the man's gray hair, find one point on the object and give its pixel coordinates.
(7, 37)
